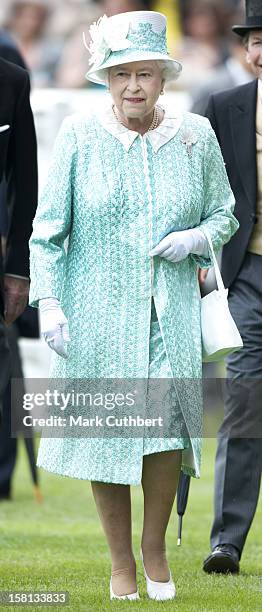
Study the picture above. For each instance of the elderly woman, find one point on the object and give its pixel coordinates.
(133, 188)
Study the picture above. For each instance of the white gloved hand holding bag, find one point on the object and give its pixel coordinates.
(178, 245)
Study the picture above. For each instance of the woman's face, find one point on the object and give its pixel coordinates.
(135, 87)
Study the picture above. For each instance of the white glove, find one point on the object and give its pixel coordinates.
(54, 325)
(178, 245)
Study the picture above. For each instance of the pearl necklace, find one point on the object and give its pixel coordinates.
(154, 123)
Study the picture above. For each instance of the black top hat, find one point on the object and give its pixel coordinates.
(253, 18)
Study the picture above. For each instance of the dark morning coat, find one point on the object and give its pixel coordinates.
(233, 115)
(18, 164)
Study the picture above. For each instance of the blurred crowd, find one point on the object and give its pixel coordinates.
(49, 37)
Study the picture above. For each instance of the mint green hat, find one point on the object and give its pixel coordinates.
(129, 37)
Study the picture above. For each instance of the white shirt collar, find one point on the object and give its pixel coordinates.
(158, 137)
(260, 88)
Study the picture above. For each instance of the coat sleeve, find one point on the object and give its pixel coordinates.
(52, 222)
(218, 205)
(21, 177)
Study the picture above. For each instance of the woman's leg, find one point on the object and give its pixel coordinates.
(159, 481)
(114, 508)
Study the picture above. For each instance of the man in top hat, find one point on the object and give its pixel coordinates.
(236, 116)
(27, 325)
(18, 165)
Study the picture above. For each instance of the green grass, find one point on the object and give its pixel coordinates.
(59, 545)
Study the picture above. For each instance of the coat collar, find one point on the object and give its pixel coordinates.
(157, 137)
(243, 125)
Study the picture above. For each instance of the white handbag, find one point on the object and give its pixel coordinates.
(220, 335)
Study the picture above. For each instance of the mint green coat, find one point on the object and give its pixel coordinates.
(115, 195)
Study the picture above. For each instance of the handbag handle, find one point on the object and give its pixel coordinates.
(219, 280)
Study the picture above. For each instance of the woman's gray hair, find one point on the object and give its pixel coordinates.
(166, 69)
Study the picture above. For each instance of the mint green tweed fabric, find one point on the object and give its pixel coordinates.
(115, 203)
(143, 38)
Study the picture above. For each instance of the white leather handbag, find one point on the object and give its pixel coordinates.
(220, 335)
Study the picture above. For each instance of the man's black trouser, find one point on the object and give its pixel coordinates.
(5, 361)
(8, 445)
(239, 451)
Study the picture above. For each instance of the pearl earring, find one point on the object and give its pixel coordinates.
(162, 92)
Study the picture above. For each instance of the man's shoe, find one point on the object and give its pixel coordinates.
(224, 559)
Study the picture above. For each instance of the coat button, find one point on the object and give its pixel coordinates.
(253, 218)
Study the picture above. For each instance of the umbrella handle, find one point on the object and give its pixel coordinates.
(179, 537)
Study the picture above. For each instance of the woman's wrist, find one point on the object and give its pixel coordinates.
(199, 242)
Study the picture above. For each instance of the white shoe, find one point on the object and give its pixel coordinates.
(130, 596)
(160, 591)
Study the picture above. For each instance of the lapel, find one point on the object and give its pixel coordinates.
(243, 126)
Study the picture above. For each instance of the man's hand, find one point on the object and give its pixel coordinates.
(16, 297)
(202, 274)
